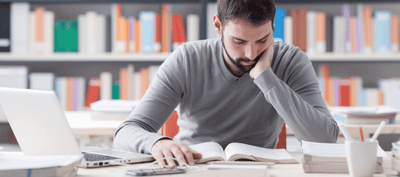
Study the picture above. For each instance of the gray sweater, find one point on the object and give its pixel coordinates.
(214, 105)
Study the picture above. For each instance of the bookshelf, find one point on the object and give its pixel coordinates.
(76, 57)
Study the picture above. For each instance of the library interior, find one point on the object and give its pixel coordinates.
(83, 79)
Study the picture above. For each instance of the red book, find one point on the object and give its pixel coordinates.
(93, 92)
(345, 96)
(181, 29)
(157, 47)
(175, 33)
(171, 128)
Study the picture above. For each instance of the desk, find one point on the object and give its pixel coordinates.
(288, 170)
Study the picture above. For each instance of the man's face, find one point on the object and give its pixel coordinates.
(244, 43)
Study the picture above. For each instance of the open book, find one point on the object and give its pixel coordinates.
(212, 151)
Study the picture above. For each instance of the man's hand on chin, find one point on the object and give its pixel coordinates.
(264, 62)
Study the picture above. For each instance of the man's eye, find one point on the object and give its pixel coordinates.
(262, 42)
(240, 43)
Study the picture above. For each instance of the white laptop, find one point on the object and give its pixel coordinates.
(40, 126)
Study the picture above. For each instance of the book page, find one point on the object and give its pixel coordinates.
(210, 151)
(244, 149)
(330, 149)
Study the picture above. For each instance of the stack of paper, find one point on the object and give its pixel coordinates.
(364, 115)
(112, 109)
(396, 156)
(16, 164)
(330, 158)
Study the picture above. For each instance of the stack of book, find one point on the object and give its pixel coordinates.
(330, 158)
(396, 156)
(364, 115)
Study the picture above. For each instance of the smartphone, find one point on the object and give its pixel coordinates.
(157, 171)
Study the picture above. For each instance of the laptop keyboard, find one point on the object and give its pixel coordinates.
(97, 157)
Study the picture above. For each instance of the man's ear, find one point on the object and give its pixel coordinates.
(217, 24)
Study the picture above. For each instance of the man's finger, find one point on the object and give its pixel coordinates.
(170, 161)
(179, 155)
(188, 154)
(159, 155)
(196, 154)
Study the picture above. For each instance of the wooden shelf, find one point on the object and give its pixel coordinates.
(355, 57)
(70, 57)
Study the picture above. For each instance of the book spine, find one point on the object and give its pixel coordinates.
(147, 19)
(279, 24)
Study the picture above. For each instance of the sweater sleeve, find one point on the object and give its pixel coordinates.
(298, 100)
(138, 132)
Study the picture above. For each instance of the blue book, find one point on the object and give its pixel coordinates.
(321, 82)
(364, 97)
(147, 21)
(279, 24)
(382, 31)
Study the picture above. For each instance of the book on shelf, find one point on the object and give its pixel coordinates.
(390, 88)
(41, 81)
(279, 24)
(364, 114)
(19, 17)
(212, 151)
(396, 156)
(71, 92)
(14, 76)
(112, 109)
(66, 36)
(330, 158)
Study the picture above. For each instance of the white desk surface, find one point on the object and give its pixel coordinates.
(277, 170)
(81, 124)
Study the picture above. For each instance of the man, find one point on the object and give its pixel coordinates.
(238, 88)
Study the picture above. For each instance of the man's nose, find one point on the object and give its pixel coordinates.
(251, 51)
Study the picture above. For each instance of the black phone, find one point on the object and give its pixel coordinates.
(157, 171)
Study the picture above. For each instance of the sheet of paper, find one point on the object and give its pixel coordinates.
(330, 149)
(17, 160)
(239, 148)
(363, 109)
(209, 149)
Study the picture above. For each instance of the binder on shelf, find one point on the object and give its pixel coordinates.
(19, 27)
(41, 81)
(65, 36)
(14, 76)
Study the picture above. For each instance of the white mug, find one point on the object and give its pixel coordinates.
(361, 157)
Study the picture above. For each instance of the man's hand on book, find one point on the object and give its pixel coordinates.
(168, 148)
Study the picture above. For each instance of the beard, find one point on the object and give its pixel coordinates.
(236, 62)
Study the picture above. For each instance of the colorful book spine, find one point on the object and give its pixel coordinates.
(157, 41)
(132, 35)
(279, 24)
(147, 19)
(367, 31)
(395, 33)
(321, 33)
(115, 91)
(382, 31)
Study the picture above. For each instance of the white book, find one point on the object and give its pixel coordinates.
(131, 81)
(211, 11)
(63, 93)
(105, 85)
(138, 86)
(48, 32)
(288, 27)
(91, 32)
(32, 32)
(81, 94)
(392, 93)
(152, 72)
(19, 16)
(101, 33)
(14, 76)
(114, 28)
(41, 81)
(82, 34)
(360, 15)
(339, 34)
(193, 27)
(359, 87)
(311, 32)
(347, 41)
(212, 151)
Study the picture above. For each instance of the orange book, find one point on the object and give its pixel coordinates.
(353, 92)
(137, 36)
(123, 80)
(126, 32)
(164, 28)
(327, 91)
(70, 94)
(93, 92)
(121, 31)
(367, 26)
(157, 42)
(331, 92)
(40, 23)
(353, 34)
(144, 72)
(119, 35)
(395, 30)
(171, 128)
(321, 36)
(299, 17)
(380, 97)
(325, 71)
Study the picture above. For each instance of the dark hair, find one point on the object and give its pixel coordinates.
(255, 11)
